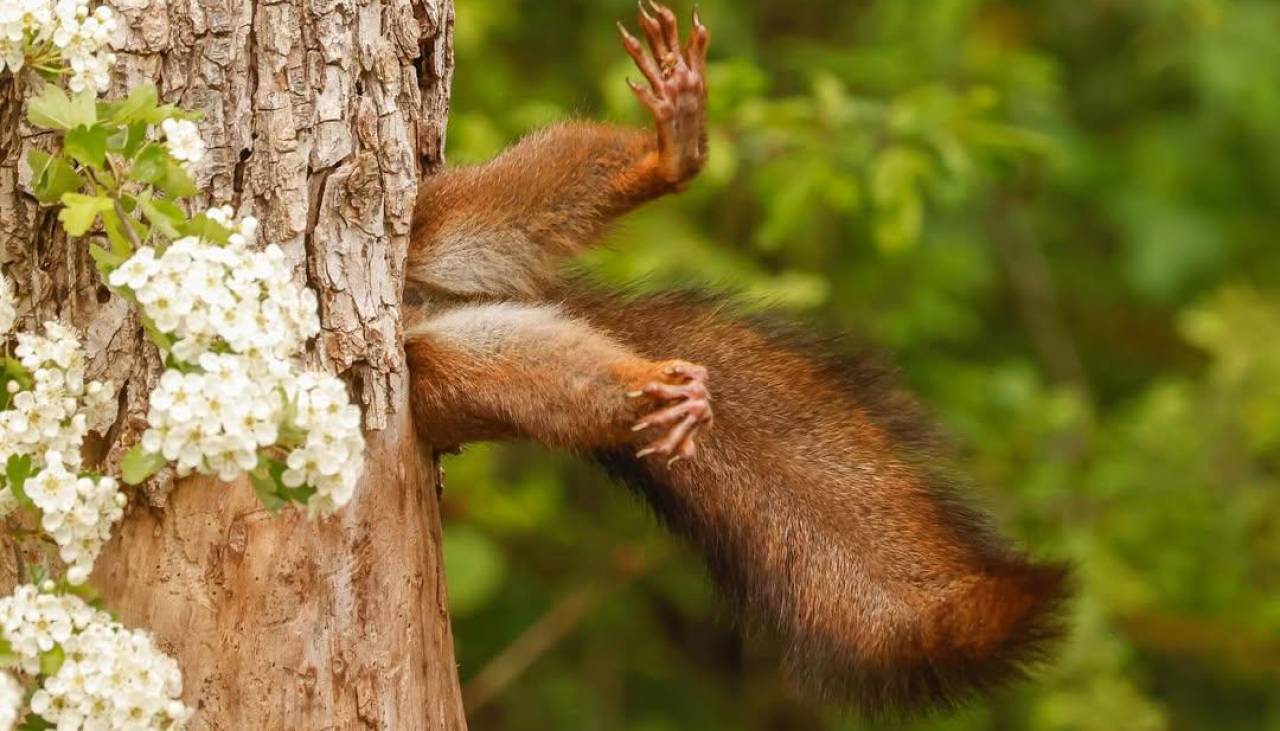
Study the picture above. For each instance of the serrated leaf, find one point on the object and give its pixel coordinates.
(139, 464)
(16, 471)
(53, 109)
(136, 107)
(165, 216)
(106, 260)
(51, 661)
(201, 226)
(52, 176)
(87, 145)
(80, 211)
(177, 182)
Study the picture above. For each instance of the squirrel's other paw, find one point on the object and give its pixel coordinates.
(679, 390)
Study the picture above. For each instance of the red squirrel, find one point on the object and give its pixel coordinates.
(811, 490)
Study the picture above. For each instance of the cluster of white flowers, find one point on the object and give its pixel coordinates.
(110, 678)
(81, 37)
(331, 456)
(184, 142)
(48, 422)
(8, 308)
(60, 407)
(215, 421)
(11, 699)
(77, 512)
(237, 316)
(212, 297)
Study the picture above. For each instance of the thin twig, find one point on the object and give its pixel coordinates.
(551, 628)
(544, 634)
(1037, 297)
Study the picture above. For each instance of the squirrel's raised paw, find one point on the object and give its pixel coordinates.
(677, 91)
(684, 408)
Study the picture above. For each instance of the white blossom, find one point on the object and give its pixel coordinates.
(331, 455)
(210, 297)
(215, 421)
(183, 139)
(11, 700)
(218, 421)
(80, 37)
(111, 677)
(16, 18)
(77, 512)
(60, 406)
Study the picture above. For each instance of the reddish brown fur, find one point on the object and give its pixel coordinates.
(506, 370)
(821, 511)
(825, 520)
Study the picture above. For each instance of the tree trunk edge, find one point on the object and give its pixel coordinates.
(321, 116)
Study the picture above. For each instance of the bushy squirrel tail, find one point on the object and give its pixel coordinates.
(826, 521)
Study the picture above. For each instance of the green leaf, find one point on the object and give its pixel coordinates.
(53, 109)
(52, 176)
(169, 111)
(135, 137)
(266, 484)
(34, 723)
(106, 260)
(137, 107)
(8, 658)
(177, 182)
(118, 228)
(150, 165)
(52, 660)
(165, 216)
(300, 494)
(139, 464)
(87, 145)
(86, 592)
(121, 246)
(161, 340)
(17, 470)
(206, 228)
(80, 211)
(18, 372)
(155, 167)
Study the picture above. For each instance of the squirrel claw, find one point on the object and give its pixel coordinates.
(686, 410)
(677, 90)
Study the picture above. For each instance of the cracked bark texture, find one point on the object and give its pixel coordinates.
(321, 116)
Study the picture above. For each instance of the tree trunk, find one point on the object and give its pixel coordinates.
(320, 115)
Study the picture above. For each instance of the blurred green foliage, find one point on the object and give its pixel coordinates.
(1061, 217)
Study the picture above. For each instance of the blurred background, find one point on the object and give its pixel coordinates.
(1060, 216)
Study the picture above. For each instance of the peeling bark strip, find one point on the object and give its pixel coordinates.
(320, 115)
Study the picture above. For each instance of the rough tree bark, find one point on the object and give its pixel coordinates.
(321, 115)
